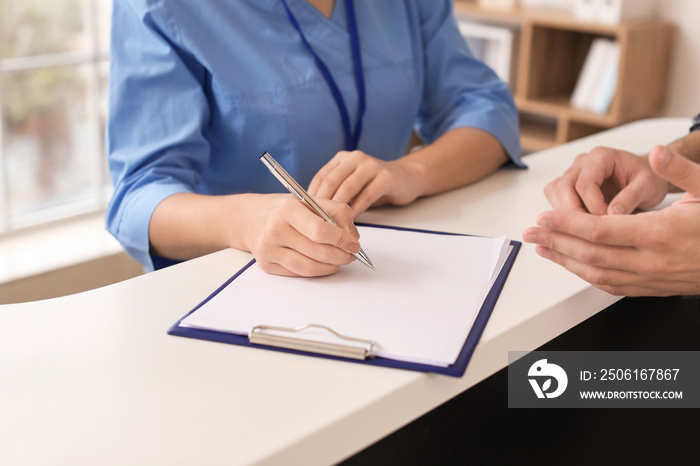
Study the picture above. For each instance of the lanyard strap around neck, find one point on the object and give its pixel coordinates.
(351, 138)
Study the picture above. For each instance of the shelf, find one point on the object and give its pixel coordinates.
(477, 12)
(537, 133)
(550, 16)
(559, 107)
(552, 51)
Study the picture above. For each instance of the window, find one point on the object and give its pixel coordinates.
(53, 81)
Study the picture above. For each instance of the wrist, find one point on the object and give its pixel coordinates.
(695, 123)
(415, 177)
(688, 146)
(240, 222)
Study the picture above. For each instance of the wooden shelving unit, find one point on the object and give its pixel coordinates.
(553, 47)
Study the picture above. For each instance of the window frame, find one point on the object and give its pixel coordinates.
(95, 58)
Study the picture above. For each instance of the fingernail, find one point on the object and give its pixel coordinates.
(530, 238)
(543, 252)
(617, 209)
(353, 248)
(664, 156)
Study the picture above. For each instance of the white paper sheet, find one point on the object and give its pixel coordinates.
(418, 306)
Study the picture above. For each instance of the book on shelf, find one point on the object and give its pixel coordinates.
(613, 11)
(498, 4)
(596, 84)
(496, 46)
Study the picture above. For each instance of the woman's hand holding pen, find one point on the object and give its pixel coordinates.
(362, 181)
(287, 238)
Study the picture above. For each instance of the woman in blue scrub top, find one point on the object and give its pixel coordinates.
(332, 89)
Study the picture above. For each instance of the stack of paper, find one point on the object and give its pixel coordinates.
(418, 306)
(597, 82)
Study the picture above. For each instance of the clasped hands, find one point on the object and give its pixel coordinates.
(594, 232)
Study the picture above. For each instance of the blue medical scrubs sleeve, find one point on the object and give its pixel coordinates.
(461, 91)
(157, 112)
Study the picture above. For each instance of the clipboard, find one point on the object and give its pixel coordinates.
(351, 348)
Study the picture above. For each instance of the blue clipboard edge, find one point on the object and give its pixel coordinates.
(455, 370)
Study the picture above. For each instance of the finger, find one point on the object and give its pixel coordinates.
(354, 184)
(296, 265)
(562, 196)
(324, 252)
(589, 182)
(615, 230)
(689, 198)
(321, 175)
(328, 181)
(304, 257)
(314, 229)
(629, 198)
(369, 196)
(288, 252)
(622, 258)
(530, 235)
(579, 187)
(676, 169)
(560, 192)
(616, 282)
(328, 186)
(341, 214)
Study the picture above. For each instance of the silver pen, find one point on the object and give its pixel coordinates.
(301, 194)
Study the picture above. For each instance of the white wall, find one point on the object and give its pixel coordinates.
(683, 98)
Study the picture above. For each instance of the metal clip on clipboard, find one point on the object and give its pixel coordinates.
(259, 336)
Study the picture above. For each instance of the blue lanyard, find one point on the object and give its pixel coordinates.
(351, 138)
